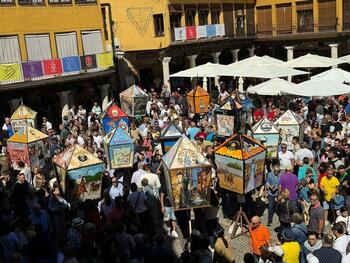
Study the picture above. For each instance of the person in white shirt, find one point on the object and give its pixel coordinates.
(80, 140)
(302, 153)
(47, 124)
(344, 217)
(117, 188)
(81, 112)
(96, 109)
(341, 240)
(153, 180)
(285, 157)
(346, 258)
(97, 139)
(136, 176)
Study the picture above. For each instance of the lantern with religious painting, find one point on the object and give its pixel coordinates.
(119, 148)
(268, 134)
(29, 146)
(114, 117)
(187, 175)
(23, 116)
(240, 164)
(290, 125)
(79, 173)
(133, 101)
(169, 135)
(227, 117)
(198, 100)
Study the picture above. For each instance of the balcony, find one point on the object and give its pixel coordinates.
(327, 25)
(197, 32)
(263, 30)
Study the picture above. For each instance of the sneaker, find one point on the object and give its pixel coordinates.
(174, 234)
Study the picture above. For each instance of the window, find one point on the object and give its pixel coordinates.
(60, 1)
(38, 47)
(92, 42)
(85, 2)
(215, 16)
(240, 19)
(104, 18)
(66, 44)
(158, 25)
(175, 20)
(203, 17)
(305, 17)
(7, 2)
(9, 50)
(190, 17)
(31, 2)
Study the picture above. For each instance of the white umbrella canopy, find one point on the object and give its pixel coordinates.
(334, 74)
(346, 59)
(251, 62)
(266, 72)
(318, 88)
(209, 70)
(312, 61)
(272, 59)
(272, 87)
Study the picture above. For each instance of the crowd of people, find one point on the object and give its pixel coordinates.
(307, 188)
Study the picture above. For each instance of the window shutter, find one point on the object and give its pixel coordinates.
(66, 44)
(92, 42)
(9, 50)
(327, 15)
(284, 19)
(264, 20)
(38, 47)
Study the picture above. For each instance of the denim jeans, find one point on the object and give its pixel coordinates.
(272, 208)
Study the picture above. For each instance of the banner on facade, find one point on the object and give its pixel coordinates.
(201, 31)
(10, 72)
(180, 33)
(211, 30)
(88, 62)
(71, 64)
(52, 66)
(32, 69)
(220, 29)
(105, 60)
(191, 32)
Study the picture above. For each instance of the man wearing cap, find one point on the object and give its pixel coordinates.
(259, 236)
(291, 248)
(74, 234)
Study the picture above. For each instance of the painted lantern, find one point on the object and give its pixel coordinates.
(268, 134)
(79, 173)
(23, 116)
(169, 135)
(28, 145)
(198, 100)
(240, 164)
(114, 117)
(133, 101)
(120, 148)
(187, 175)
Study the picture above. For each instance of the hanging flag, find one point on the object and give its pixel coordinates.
(105, 60)
(52, 66)
(10, 72)
(88, 62)
(201, 31)
(191, 32)
(71, 64)
(211, 30)
(180, 33)
(220, 29)
(32, 69)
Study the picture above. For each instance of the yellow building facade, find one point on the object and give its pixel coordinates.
(40, 33)
(157, 37)
(20, 19)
